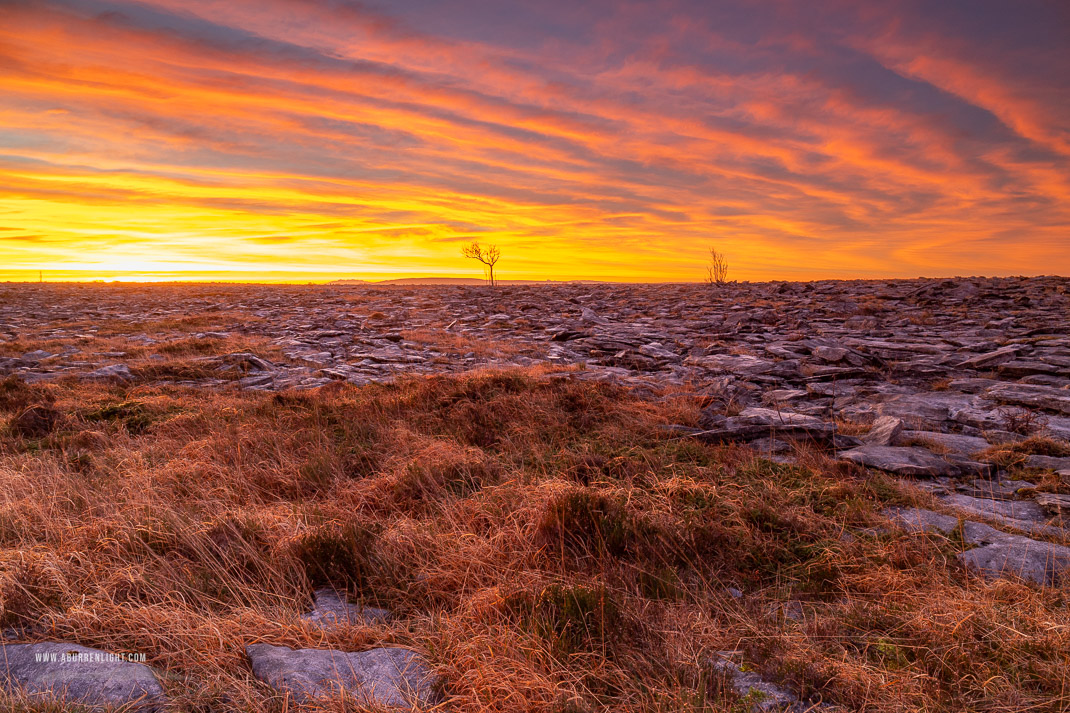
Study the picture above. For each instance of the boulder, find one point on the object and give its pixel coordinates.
(884, 432)
(830, 355)
(389, 677)
(78, 675)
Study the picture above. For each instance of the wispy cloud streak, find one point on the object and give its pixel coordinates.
(322, 137)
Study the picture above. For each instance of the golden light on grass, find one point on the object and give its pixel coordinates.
(535, 534)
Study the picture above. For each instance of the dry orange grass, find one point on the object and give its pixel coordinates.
(538, 537)
(458, 344)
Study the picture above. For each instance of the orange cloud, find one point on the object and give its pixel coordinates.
(312, 140)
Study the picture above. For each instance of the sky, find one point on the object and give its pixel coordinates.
(308, 140)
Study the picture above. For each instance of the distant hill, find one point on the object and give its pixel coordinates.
(455, 281)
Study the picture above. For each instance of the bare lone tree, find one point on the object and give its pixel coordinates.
(487, 255)
(717, 270)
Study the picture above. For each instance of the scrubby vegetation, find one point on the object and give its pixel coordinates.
(539, 538)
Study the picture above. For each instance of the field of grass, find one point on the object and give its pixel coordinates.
(540, 539)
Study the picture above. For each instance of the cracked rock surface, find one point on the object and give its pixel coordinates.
(73, 674)
(389, 676)
(331, 610)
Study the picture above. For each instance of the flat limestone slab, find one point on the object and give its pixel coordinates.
(389, 676)
(999, 554)
(1032, 560)
(901, 460)
(1044, 397)
(331, 611)
(74, 674)
(1057, 505)
(1026, 511)
(953, 442)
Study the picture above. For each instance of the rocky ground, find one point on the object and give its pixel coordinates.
(958, 387)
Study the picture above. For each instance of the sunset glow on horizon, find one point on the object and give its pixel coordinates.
(309, 140)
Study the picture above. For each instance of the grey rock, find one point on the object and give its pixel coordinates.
(74, 674)
(971, 386)
(926, 411)
(1058, 382)
(782, 396)
(756, 693)
(755, 422)
(921, 520)
(1043, 397)
(743, 365)
(999, 554)
(111, 372)
(994, 489)
(906, 461)
(567, 335)
(771, 446)
(35, 356)
(884, 431)
(1056, 504)
(830, 355)
(1011, 512)
(589, 316)
(331, 611)
(985, 420)
(1019, 368)
(998, 356)
(1047, 462)
(951, 442)
(1032, 560)
(392, 677)
(247, 362)
(924, 520)
(780, 418)
(1057, 427)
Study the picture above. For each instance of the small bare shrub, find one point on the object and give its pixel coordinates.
(1022, 421)
(717, 270)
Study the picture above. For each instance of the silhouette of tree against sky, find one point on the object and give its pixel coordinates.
(487, 255)
(717, 270)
